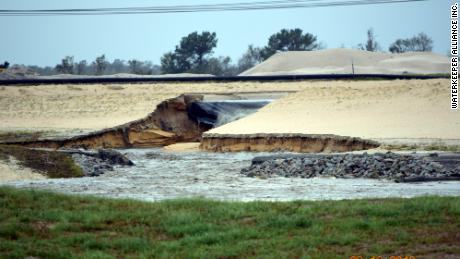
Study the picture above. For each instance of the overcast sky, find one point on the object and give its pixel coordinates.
(45, 40)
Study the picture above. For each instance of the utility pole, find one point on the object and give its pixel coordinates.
(352, 67)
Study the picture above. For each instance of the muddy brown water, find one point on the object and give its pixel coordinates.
(160, 175)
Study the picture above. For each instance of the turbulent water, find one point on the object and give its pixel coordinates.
(218, 113)
(162, 175)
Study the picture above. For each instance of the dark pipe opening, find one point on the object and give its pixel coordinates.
(216, 113)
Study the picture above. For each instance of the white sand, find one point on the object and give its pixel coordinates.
(339, 61)
(12, 171)
(387, 109)
(368, 109)
(183, 147)
(94, 107)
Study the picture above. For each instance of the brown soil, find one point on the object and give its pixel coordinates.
(168, 124)
(284, 142)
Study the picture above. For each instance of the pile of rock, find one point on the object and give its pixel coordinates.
(92, 166)
(377, 166)
(95, 163)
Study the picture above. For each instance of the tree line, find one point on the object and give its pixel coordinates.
(194, 54)
(420, 42)
(100, 66)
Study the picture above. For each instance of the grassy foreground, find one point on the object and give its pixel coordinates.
(47, 225)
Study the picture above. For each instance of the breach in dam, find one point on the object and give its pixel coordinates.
(187, 117)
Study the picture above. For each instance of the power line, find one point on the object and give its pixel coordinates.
(242, 6)
(168, 7)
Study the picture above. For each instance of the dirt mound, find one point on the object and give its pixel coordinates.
(344, 61)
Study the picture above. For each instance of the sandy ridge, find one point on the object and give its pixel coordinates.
(349, 61)
(365, 109)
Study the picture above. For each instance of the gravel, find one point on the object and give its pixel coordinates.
(96, 163)
(388, 165)
(92, 166)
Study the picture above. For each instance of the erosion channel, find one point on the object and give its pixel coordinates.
(187, 117)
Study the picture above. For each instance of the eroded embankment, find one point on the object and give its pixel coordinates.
(168, 124)
(185, 119)
(284, 142)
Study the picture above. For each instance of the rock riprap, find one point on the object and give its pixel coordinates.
(97, 162)
(391, 166)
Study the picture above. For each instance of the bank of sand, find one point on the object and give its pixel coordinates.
(368, 109)
(349, 61)
(10, 170)
(93, 107)
(407, 109)
(402, 109)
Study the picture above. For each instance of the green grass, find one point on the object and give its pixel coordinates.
(47, 225)
(53, 164)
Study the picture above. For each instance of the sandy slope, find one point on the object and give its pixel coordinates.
(387, 109)
(367, 109)
(339, 61)
(92, 107)
(183, 147)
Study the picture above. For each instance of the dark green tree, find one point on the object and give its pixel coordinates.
(190, 54)
(371, 43)
(117, 66)
(135, 66)
(100, 64)
(141, 67)
(249, 59)
(5, 65)
(289, 40)
(81, 67)
(172, 63)
(220, 66)
(194, 47)
(420, 42)
(66, 66)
